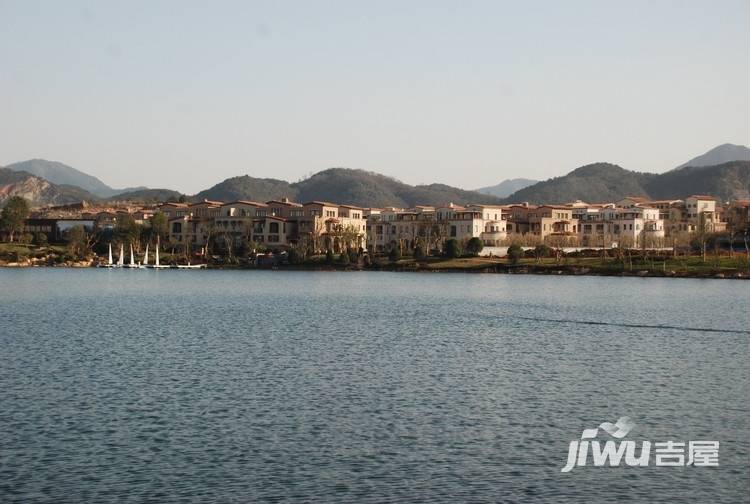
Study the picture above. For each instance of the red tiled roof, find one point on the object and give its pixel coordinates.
(323, 203)
(245, 202)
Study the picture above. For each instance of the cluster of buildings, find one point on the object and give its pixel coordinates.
(322, 225)
(631, 221)
(273, 224)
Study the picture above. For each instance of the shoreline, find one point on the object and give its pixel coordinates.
(416, 267)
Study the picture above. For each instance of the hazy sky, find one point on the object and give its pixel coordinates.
(184, 94)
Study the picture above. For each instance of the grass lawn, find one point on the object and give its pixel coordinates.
(23, 250)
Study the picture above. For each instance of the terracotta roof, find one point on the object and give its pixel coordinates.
(323, 203)
(352, 207)
(244, 202)
(702, 197)
(557, 207)
(207, 202)
(286, 203)
(652, 202)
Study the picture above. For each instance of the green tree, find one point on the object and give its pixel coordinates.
(452, 248)
(40, 239)
(128, 231)
(329, 256)
(515, 252)
(159, 226)
(79, 241)
(13, 215)
(474, 246)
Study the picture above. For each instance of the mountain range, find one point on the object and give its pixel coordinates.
(62, 174)
(345, 186)
(727, 176)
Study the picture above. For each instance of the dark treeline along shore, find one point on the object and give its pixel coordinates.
(522, 260)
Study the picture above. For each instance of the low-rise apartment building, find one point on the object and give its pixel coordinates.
(698, 213)
(275, 223)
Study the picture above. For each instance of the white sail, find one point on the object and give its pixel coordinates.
(110, 255)
(121, 259)
(132, 262)
(157, 252)
(145, 256)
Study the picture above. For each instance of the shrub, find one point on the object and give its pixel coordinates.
(329, 256)
(542, 251)
(344, 258)
(418, 252)
(353, 256)
(26, 238)
(40, 239)
(474, 246)
(515, 252)
(395, 254)
(296, 256)
(452, 248)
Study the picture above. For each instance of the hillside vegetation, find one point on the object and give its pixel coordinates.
(603, 182)
(342, 185)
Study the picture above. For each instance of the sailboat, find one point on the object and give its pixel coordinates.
(121, 259)
(145, 256)
(156, 260)
(109, 264)
(132, 262)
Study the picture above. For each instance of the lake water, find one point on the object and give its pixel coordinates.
(244, 386)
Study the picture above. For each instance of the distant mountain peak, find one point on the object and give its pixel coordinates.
(720, 154)
(507, 187)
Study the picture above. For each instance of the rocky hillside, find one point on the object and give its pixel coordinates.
(38, 191)
(62, 174)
